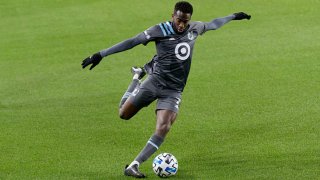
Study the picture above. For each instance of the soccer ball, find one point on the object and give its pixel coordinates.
(165, 165)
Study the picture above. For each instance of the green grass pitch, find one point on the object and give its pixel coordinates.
(250, 110)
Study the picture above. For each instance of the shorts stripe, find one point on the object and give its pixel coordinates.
(126, 95)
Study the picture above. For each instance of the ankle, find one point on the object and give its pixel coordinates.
(133, 163)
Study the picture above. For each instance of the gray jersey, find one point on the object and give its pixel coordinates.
(174, 51)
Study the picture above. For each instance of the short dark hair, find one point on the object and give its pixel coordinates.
(184, 7)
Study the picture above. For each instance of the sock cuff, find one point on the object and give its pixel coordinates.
(156, 141)
(157, 138)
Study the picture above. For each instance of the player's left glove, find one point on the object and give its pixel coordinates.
(94, 60)
(241, 15)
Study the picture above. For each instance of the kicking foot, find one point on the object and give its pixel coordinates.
(133, 171)
(140, 72)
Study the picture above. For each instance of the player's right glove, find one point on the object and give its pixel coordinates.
(241, 15)
(94, 60)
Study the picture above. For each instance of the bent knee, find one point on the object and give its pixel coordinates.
(123, 115)
(127, 111)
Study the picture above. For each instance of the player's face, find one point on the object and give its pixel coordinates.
(181, 20)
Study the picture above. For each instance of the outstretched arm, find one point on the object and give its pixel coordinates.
(217, 23)
(122, 46)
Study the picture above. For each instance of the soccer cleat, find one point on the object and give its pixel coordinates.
(133, 171)
(138, 70)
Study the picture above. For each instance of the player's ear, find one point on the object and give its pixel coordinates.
(173, 14)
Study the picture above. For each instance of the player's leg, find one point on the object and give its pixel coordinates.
(141, 98)
(165, 118)
(126, 108)
(167, 109)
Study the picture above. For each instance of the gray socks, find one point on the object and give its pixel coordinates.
(152, 146)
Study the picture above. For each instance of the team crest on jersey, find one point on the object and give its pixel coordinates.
(191, 36)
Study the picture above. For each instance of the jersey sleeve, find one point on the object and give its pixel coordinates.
(203, 27)
(199, 27)
(218, 22)
(151, 34)
(144, 38)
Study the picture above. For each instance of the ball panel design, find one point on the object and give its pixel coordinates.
(165, 165)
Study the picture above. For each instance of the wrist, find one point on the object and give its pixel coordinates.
(233, 16)
(96, 56)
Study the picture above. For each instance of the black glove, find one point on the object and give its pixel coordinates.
(94, 60)
(241, 15)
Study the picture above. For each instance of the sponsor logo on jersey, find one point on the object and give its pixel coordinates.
(182, 51)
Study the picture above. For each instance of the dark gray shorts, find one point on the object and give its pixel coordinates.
(151, 90)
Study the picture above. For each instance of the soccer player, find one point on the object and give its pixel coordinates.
(167, 72)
